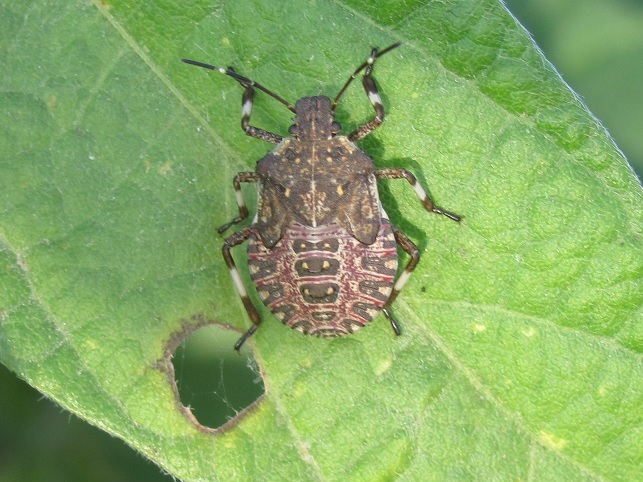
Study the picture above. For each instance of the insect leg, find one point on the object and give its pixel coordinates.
(235, 240)
(374, 96)
(248, 95)
(246, 111)
(411, 249)
(243, 210)
(371, 92)
(428, 203)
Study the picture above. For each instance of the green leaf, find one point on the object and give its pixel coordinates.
(521, 349)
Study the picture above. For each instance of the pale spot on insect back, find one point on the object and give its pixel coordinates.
(385, 290)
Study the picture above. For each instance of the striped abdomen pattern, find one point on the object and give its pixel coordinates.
(322, 281)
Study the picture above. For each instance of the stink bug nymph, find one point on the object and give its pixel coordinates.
(321, 250)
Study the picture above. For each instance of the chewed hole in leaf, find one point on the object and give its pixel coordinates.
(214, 383)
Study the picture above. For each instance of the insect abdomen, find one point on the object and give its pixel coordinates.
(322, 281)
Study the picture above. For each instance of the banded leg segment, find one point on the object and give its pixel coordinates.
(412, 250)
(249, 86)
(374, 96)
(246, 111)
(232, 241)
(243, 209)
(427, 202)
(371, 92)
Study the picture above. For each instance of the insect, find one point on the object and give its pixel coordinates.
(322, 252)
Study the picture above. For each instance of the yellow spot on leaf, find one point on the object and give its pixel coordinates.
(383, 366)
(300, 389)
(529, 332)
(306, 363)
(165, 168)
(478, 328)
(552, 440)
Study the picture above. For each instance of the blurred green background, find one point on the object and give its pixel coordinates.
(596, 45)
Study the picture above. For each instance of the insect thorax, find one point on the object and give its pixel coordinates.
(316, 183)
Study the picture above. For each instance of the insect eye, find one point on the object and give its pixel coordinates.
(293, 130)
(335, 127)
